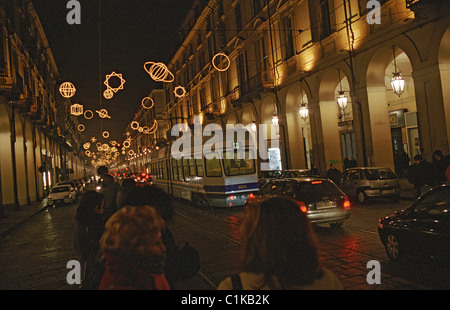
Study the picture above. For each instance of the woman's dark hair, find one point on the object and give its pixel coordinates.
(150, 196)
(86, 205)
(278, 242)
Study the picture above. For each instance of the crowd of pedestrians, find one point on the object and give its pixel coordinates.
(123, 236)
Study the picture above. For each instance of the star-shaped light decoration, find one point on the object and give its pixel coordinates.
(93, 139)
(114, 89)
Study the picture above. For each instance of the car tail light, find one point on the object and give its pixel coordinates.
(303, 206)
(346, 203)
(251, 196)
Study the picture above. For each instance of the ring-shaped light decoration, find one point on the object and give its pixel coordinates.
(113, 143)
(179, 91)
(67, 90)
(152, 103)
(108, 93)
(134, 125)
(126, 144)
(88, 114)
(103, 113)
(114, 89)
(81, 127)
(131, 152)
(98, 145)
(159, 72)
(105, 134)
(222, 56)
(88, 153)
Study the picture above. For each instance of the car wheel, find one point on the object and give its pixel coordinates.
(361, 197)
(393, 249)
(336, 224)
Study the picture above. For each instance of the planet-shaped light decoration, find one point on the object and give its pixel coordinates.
(103, 113)
(159, 72)
(67, 90)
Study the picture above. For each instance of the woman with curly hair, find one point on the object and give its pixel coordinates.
(134, 250)
(279, 250)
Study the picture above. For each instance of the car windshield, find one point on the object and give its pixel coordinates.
(60, 189)
(317, 191)
(376, 174)
(296, 173)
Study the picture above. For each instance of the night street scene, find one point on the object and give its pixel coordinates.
(201, 147)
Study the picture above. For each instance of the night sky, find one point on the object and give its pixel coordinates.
(132, 32)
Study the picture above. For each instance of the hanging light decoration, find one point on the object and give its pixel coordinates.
(275, 119)
(397, 81)
(342, 98)
(304, 113)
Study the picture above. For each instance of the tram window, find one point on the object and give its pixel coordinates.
(186, 167)
(174, 170)
(212, 164)
(234, 165)
(199, 164)
(192, 172)
(180, 170)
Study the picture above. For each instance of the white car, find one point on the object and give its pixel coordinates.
(61, 194)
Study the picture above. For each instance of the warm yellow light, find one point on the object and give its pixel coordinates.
(105, 134)
(81, 127)
(179, 91)
(159, 72)
(114, 89)
(134, 125)
(148, 107)
(108, 93)
(67, 90)
(76, 109)
(103, 113)
(218, 58)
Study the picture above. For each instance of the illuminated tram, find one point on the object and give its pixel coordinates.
(224, 176)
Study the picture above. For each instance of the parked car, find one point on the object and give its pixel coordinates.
(265, 176)
(321, 199)
(422, 230)
(369, 182)
(60, 194)
(71, 183)
(295, 173)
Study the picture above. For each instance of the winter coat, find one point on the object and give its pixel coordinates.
(122, 274)
(86, 238)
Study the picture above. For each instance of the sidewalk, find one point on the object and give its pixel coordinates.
(13, 218)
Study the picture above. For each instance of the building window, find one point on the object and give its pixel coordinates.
(237, 11)
(256, 7)
(288, 50)
(322, 17)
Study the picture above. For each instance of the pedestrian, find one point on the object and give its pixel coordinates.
(181, 263)
(334, 175)
(440, 164)
(272, 261)
(422, 175)
(133, 250)
(89, 228)
(110, 189)
(126, 187)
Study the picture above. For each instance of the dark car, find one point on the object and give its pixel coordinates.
(320, 198)
(296, 173)
(265, 176)
(422, 230)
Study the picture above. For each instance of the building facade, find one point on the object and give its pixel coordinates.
(260, 60)
(39, 145)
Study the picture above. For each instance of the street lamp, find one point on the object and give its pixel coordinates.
(303, 111)
(397, 81)
(342, 100)
(275, 119)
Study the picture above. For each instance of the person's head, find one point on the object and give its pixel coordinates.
(102, 170)
(90, 204)
(150, 195)
(417, 159)
(278, 241)
(437, 155)
(134, 233)
(331, 166)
